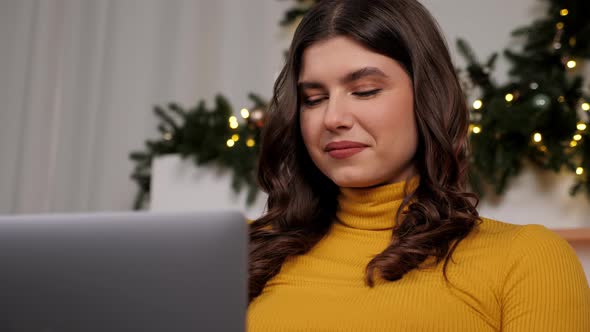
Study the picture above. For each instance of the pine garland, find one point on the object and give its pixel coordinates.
(207, 136)
(541, 115)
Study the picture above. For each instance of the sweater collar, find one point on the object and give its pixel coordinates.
(373, 208)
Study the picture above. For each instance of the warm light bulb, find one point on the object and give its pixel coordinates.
(250, 142)
(559, 25)
(233, 119)
(563, 12)
(509, 97)
(579, 171)
(230, 143)
(561, 99)
(245, 113)
(477, 104)
(537, 137)
(581, 126)
(573, 144)
(233, 125)
(476, 129)
(571, 64)
(586, 106)
(235, 137)
(577, 137)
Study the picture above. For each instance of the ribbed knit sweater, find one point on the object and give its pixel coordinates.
(502, 277)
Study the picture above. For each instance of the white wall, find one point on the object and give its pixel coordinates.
(78, 79)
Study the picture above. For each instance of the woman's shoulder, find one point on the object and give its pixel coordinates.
(527, 244)
(540, 276)
(530, 245)
(492, 229)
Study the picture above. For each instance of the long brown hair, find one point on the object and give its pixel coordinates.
(302, 202)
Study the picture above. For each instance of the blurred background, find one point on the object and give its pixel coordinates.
(79, 80)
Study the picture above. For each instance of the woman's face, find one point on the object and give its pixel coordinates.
(356, 114)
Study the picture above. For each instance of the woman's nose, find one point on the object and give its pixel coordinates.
(336, 115)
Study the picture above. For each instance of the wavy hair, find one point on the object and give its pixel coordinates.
(302, 202)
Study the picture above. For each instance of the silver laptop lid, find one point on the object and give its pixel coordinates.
(123, 271)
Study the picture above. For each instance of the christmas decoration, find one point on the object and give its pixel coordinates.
(539, 115)
(206, 136)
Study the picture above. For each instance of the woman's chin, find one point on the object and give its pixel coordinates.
(351, 182)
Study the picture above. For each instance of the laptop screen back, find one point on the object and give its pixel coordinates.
(126, 271)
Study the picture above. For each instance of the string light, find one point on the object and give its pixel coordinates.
(476, 129)
(563, 12)
(230, 143)
(581, 126)
(543, 148)
(573, 144)
(577, 137)
(571, 64)
(579, 171)
(235, 137)
(167, 136)
(561, 99)
(245, 113)
(586, 106)
(250, 142)
(477, 104)
(233, 122)
(509, 97)
(537, 137)
(559, 25)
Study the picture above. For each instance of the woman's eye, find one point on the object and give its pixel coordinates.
(366, 93)
(312, 102)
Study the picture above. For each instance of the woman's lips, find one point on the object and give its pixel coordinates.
(344, 149)
(345, 153)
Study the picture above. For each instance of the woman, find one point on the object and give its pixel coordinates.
(369, 227)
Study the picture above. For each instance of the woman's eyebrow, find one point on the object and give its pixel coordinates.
(348, 78)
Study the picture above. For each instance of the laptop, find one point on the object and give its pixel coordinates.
(123, 271)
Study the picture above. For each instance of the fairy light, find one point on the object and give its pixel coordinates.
(579, 170)
(577, 137)
(476, 129)
(561, 99)
(477, 104)
(581, 126)
(571, 64)
(230, 143)
(564, 12)
(509, 97)
(586, 106)
(245, 113)
(573, 144)
(559, 25)
(235, 137)
(250, 142)
(537, 137)
(233, 122)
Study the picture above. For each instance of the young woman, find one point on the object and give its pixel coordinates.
(369, 226)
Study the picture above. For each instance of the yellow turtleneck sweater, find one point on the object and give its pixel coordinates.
(504, 277)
